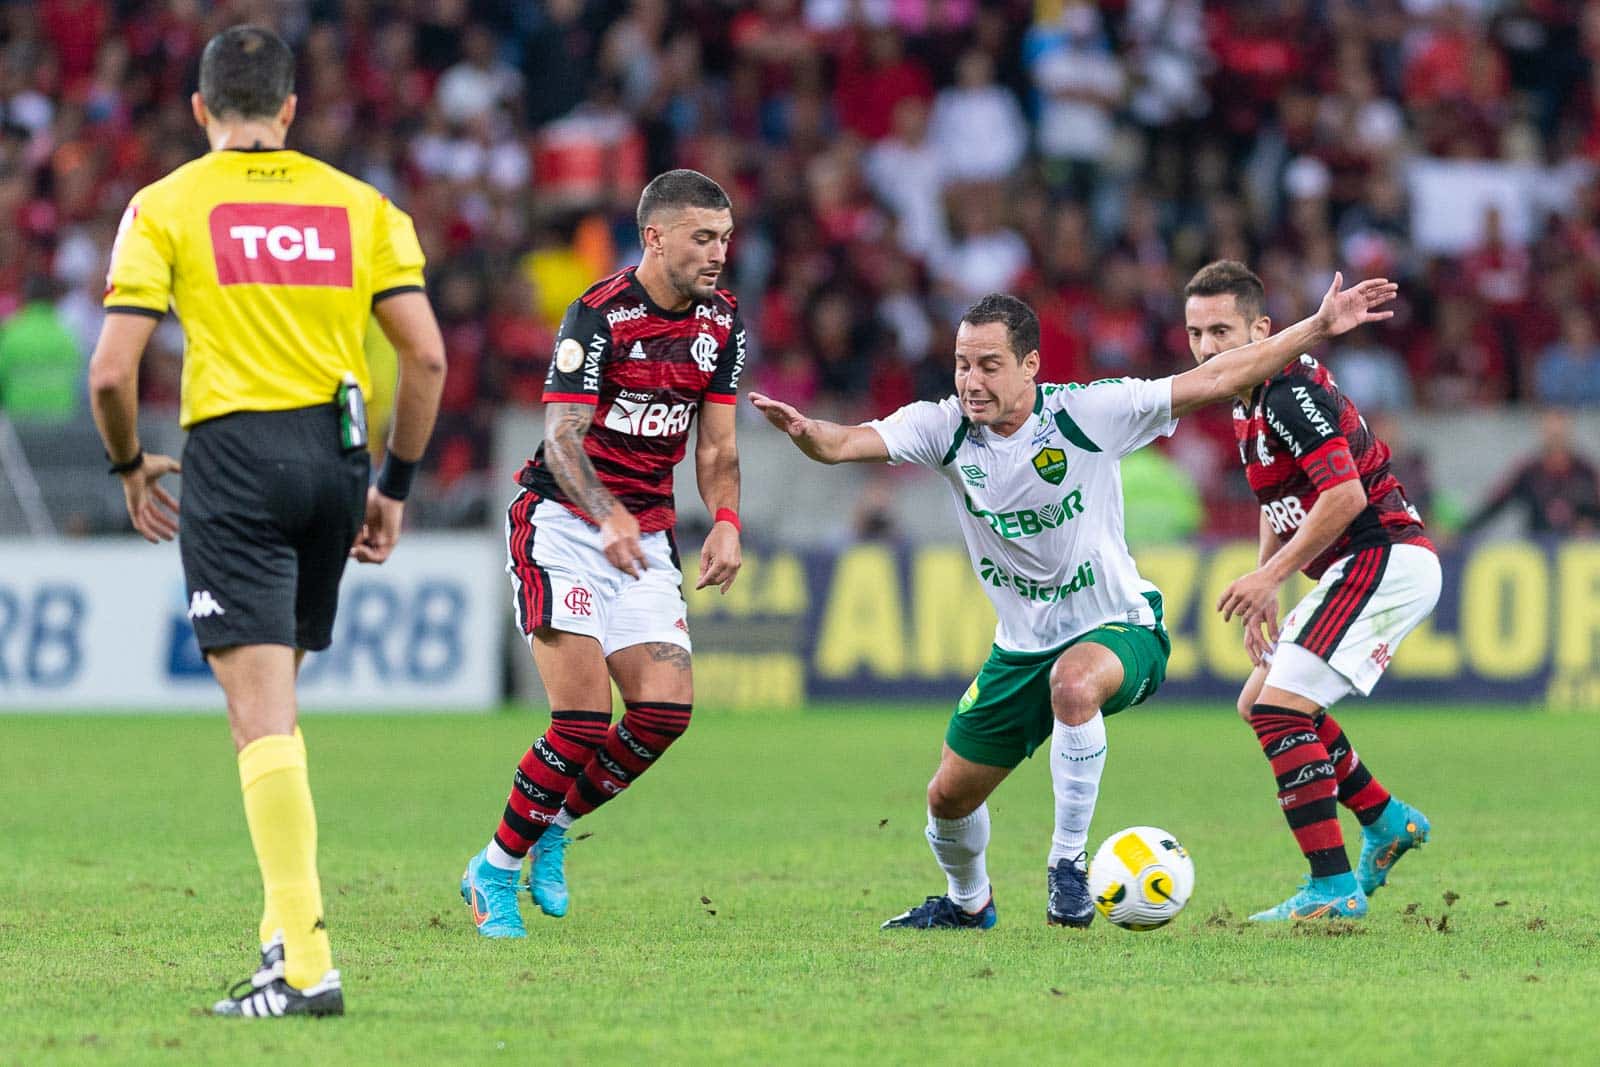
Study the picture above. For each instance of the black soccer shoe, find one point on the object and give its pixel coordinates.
(942, 913)
(271, 963)
(1070, 903)
(278, 998)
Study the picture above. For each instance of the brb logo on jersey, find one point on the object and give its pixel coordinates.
(281, 244)
(1284, 515)
(646, 418)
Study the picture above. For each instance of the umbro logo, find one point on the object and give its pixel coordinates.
(202, 605)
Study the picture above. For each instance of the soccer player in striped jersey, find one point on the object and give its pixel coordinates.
(593, 563)
(1330, 507)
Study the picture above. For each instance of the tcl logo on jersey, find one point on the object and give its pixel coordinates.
(649, 419)
(281, 244)
(1284, 515)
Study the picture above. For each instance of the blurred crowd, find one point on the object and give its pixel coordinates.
(890, 161)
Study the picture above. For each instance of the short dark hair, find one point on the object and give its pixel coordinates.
(680, 188)
(246, 72)
(1022, 325)
(1230, 276)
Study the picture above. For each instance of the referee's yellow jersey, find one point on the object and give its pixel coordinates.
(272, 261)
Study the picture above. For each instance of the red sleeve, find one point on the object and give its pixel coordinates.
(1330, 465)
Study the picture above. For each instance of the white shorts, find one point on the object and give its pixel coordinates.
(1339, 639)
(561, 579)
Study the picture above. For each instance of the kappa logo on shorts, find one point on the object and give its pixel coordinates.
(203, 605)
(579, 601)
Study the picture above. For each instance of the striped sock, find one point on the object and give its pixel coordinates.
(1306, 785)
(630, 747)
(545, 775)
(1359, 791)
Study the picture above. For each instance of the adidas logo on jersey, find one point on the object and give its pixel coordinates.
(637, 352)
(202, 605)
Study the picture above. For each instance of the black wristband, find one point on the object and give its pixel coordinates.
(127, 466)
(396, 475)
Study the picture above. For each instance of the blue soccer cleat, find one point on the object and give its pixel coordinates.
(491, 896)
(1336, 897)
(1398, 830)
(942, 913)
(547, 876)
(1069, 900)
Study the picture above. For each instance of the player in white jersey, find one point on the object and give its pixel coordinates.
(1034, 469)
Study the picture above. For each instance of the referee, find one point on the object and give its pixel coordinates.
(273, 262)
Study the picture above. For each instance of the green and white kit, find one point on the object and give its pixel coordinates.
(1041, 515)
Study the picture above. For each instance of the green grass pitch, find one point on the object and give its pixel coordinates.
(726, 909)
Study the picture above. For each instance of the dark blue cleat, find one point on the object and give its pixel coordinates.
(942, 913)
(1070, 903)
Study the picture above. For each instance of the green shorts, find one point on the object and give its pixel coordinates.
(1006, 712)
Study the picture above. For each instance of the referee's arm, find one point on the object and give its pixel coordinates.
(114, 399)
(407, 321)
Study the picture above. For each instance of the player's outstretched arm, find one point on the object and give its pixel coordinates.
(1233, 372)
(825, 442)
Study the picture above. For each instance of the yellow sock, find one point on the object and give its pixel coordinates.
(283, 828)
(271, 925)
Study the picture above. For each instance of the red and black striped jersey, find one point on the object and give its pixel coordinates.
(1300, 436)
(647, 371)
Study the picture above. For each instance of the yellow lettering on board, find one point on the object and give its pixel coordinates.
(773, 585)
(863, 626)
(1223, 642)
(739, 681)
(1174, 570)
(1505, 610)
(737, 602)
(954, 620)
(1576, 647)
(1427, 653)
(783, 587)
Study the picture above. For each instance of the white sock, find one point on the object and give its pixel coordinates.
(1077, 759)
(499, 857)
(564, 819)
(958, 845)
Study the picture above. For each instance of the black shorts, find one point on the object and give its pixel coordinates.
(269, 509)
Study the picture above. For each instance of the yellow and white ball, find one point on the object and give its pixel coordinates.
(1141, 878)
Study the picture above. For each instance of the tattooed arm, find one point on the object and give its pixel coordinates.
(566, 425)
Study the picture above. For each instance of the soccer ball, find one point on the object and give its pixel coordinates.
(1141, 878)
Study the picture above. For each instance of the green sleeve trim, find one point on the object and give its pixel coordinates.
(955, 446)
(1071, 432)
